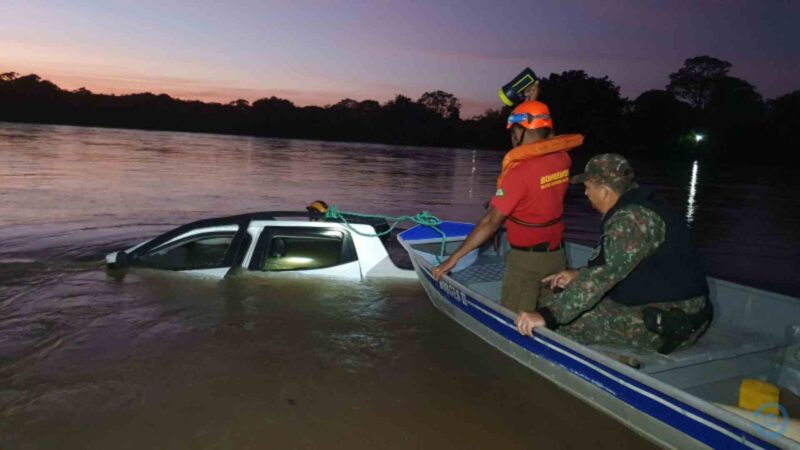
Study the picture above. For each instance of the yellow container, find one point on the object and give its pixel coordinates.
(755, 395)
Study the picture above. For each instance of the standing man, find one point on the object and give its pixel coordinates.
(644, 286)
(530, 200)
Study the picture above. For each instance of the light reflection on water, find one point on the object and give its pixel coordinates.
(690, 200)
(154, 361)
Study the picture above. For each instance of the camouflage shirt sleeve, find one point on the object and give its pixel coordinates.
(630, 235)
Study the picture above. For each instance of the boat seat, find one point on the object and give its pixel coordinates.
(728, 350)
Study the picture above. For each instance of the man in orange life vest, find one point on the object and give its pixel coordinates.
(530, 200)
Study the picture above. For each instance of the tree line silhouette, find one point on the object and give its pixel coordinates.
(701, 98)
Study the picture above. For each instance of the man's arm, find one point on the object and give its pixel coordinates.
(486, 228)
(631, 235)
(532, 92)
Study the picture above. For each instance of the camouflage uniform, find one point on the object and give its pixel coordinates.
(631, 234)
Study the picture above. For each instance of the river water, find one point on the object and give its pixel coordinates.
(166, 361)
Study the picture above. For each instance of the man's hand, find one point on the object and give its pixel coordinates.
(532, 92)
(484, 229)
(444, 267)
(527, 321)
(561, 279)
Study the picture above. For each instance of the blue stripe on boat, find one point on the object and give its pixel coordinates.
(581, 366)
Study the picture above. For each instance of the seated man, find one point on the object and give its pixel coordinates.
(644, 285)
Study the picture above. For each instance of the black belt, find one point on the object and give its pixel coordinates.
(543, 247)
(534, 225)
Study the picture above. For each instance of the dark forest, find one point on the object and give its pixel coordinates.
(700, 99)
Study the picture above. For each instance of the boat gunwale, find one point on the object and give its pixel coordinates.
(653, 386)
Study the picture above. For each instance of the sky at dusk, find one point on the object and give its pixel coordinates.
(319, 52)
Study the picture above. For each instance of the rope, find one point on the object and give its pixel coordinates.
(424, 218)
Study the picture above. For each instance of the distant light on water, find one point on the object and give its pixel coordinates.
(474, 161)
(692, 191)
(472, 173)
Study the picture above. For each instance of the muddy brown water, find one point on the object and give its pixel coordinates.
(166, 361)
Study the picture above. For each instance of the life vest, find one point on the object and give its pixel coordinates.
(672, 273)
(516, 155)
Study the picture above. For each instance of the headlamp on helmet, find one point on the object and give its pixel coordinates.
(530, 115)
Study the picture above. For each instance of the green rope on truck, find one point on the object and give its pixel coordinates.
(424, 218)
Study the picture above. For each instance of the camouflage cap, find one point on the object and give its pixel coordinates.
(609, 169)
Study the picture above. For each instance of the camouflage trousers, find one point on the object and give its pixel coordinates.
(615, 324)
(522, 287)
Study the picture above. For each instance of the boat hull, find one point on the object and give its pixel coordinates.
(667, 416)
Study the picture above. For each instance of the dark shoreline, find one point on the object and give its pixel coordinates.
(658, 125)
